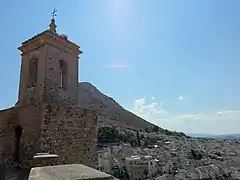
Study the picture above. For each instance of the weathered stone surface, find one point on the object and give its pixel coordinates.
(28, 117)
(69, 132)
(16, 174)
(47, 111)
(67, 172)
(48, 50)
(2, 171)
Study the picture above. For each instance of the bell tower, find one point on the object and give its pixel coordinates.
(49, 68)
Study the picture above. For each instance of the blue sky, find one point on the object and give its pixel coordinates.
(175, 63)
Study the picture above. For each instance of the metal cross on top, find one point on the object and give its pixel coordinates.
(53, 14)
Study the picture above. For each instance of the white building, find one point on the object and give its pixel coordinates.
(132, 160)
(136, 165)
(152, 165)
(105, 160)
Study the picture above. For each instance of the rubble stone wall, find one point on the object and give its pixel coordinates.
(28, 118)
(69, 132)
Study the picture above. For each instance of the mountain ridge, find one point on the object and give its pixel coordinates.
(110, 112)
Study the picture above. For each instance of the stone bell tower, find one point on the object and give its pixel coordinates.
(49, 69)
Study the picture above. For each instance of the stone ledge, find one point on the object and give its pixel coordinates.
(45, 155)
(45, 159)
(68, 172)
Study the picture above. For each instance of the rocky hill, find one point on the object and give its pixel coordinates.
(110, 112)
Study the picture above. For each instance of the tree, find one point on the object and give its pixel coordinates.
(145, 172)
(167, 132)
(229, 176)
(196, 155)
(116, 172)
(147, 130)
(146, 142)
(131, 143)
(138, 140)
(107, 135)
(124, 174)
(155, 129)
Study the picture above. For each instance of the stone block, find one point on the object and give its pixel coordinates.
(68, 172)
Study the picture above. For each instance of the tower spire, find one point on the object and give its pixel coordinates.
(52, 25)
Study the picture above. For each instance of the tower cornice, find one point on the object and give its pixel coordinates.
(52, 39)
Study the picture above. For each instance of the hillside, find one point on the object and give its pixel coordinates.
(109, 110)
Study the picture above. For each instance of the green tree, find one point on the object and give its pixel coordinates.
(116, 171)
(229, 176)
(196, 155)
(147, 130)
(107, 135)
(138, 140)
(155, 128)
(145, 172)
(124, 174)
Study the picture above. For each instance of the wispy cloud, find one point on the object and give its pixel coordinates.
(221, 122)
(119, 65)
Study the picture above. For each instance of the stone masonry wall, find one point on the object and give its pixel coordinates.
(69, 132)
(49, 50)
(27, 93)
(28, 117)
(53, 93)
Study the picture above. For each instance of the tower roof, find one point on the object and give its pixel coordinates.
(46, 36)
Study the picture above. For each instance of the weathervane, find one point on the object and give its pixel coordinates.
(53, 14)
(52, 25)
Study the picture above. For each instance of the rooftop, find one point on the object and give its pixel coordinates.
(67, 172)
(131, 158)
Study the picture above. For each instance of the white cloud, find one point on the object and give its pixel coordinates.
(222, 122)
(149, 110)
(119, 65)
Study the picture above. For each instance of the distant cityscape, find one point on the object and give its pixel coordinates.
(212, 136)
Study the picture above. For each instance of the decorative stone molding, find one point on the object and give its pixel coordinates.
(47, 37)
